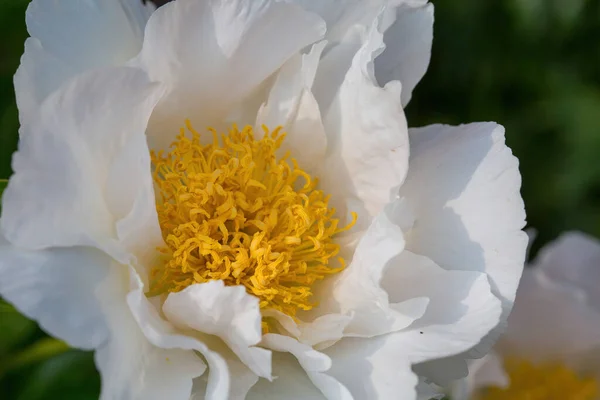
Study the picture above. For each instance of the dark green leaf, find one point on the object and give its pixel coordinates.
(41, 350)
(69, 376)
(12, 34)
(15, 329)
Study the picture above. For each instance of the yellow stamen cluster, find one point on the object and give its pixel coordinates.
(233, 210)
(529, 381)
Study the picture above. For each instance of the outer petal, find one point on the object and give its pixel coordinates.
(461, 311)
(83, 166)
(69, 37)
(574, 259)
(214, 53)
(408, 49)
(374, 368)
(56, 287)
(131, 367)
(463, 187)
(486, 371)
(244, 378)
(342, 15)
(429, 391)
(489, 371)
(367, 134)
(407, 26)
(227, 312)
(291, 382)
(78, 295)
(314, 363)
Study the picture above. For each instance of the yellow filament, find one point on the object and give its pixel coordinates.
(529, 381)
(234, 211)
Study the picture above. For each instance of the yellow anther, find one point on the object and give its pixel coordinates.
(233, 210)
(529, 381)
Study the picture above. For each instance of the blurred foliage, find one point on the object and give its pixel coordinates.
(532, 65)
(13, 34)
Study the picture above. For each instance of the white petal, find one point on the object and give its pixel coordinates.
(224, 311)
(461, 310)
(444, 371)
(69, 37)
(463, 187)
(214, 53)
(574, 259)
(549, 321)
(411, 276)
(334, 66)
(375, 368)
(358, 288)
(131, 200)
(221, 380)
(408, 49)
(319, 333)
(78, 295)
(367, 134)
(324, 330)
(407, 25)
(489, 371)
(313, 362)
(83, 164)
(243, 378)
(131, 367)
(341, 15)
(292, 105)
(56, 288)
(486, 371)
(295, 75)
(290, 379)
(430, 391)
(287, 323)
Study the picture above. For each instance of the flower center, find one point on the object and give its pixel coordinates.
(542, 382)
(234, 211)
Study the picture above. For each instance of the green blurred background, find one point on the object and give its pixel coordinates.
(532, 65)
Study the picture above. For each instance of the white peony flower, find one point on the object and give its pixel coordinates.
(550, 349)
(220, 267)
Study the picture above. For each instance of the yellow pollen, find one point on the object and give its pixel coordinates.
(233, 210)
(529, 381)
